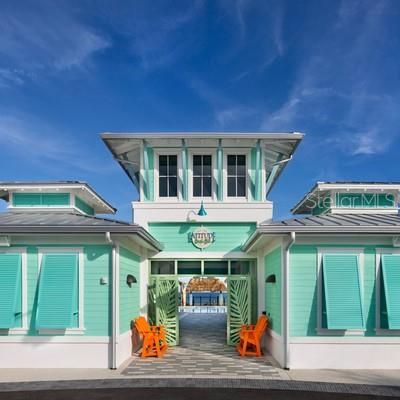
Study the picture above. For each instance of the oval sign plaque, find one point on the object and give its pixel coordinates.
(202, 237)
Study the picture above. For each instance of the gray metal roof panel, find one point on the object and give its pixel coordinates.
(339, 220)
(59, 219)
(330, 224)
(69, 223)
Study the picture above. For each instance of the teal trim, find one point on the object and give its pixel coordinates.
(342, 291)
(97, 296)
(220, 167)
(148, 178)
(10, 290)
(185, 168)
(272, 174)
(304, 290)
(175, 236)
(40, 199)
(391, 283)
(257, 178)
(58, 292)
(129, 297)
(273, 300)
(252, 173)
(83, 206)
(365, 200)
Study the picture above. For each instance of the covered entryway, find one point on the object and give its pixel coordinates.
(164, 295)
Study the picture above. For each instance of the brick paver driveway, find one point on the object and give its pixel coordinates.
(203, 352)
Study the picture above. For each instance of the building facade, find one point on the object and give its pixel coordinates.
(71, 280)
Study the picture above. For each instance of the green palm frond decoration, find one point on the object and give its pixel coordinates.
(163, 306)
(239, 307)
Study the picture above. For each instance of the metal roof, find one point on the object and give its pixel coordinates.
(6, 186)
(305, 205)
(330, 224)
(339, 220)
(41, 222)
(277, 148)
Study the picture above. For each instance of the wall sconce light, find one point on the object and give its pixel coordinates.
(271, 279)
(130, 279)
(202, 211)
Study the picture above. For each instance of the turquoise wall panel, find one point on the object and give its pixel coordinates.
(303, 288)
(129, 299)
(83, 206)
(273, 296)
(40, 199)
(228, 236)
(97, 297)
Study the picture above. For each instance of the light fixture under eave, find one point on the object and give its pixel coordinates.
(271, 279)
(202, 211)
(130, 279)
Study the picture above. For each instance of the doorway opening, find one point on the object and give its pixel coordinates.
(221, 297)
(203, 311)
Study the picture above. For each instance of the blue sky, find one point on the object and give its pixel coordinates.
(70, 70)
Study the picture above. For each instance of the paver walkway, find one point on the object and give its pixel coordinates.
(203, 352)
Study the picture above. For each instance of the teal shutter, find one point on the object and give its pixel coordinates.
(391, 284)
(58, 292)
(342, 291)
(10, 290)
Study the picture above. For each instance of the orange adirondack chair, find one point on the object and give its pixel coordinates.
(154, 340)
(250, 338)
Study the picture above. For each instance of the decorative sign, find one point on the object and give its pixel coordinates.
(201, 237)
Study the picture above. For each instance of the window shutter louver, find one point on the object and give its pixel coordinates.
(342, 292)
(10, 290)
(391, 284)
(58, 292)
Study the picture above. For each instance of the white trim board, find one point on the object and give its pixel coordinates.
(331, 355)
(200, 255)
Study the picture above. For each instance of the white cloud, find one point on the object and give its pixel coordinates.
(34, 140)
(342, 88)
(157, 36)
(253, 22)
(44, 36)
(228, 113)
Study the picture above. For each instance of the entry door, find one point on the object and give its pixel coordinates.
(239, 306)
(163, 303)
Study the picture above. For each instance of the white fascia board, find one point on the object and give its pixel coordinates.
(205, 135)
(357, 186)
(371, 211)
